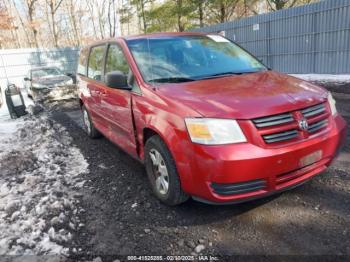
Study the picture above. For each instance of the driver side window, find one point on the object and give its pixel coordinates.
(116, 60)
(96, 62)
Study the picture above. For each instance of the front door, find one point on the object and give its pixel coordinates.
(116, 103)
(94, 83)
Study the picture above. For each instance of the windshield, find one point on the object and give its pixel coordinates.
(190, 58)
(43, 72)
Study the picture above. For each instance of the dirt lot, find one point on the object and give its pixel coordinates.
(122, 217)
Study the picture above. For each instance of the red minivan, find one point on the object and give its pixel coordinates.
(206, 118)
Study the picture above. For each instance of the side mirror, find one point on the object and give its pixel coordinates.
(117, 79)
(26, 79)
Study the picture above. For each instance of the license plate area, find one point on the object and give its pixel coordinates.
(310, 158)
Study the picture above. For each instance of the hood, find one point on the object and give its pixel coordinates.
(245, 96)
(51, 80)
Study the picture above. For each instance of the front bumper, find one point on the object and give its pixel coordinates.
(241, 172)
(55, 93)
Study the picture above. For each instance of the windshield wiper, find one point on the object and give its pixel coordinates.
(171, 80)
(228, 74)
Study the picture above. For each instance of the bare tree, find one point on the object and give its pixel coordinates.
(8, 24)
(5, 24)
(91, 9)
(73, 13)
(53, 7)
(100, 8)
(30, 12)
(112, 17)
(125, 12)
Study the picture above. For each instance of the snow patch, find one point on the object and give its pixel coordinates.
(324, 78)
(40, 171)
(58, 93)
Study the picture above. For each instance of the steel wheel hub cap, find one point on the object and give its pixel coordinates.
(87, 121)
(160, 172)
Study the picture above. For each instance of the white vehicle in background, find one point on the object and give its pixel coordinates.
(49, 83)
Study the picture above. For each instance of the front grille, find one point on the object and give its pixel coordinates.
(277, 137)
(317, 126)
(292, 175)
(313, 110)
(238, 188)
(273, 120)
(285, 127)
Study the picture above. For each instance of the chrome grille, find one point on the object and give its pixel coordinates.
(282, 136)
(273, 120)
(317, 126)
(285, 126)
(313, 110)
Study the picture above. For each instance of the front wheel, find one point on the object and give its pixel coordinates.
(88, 124)
(162, 173)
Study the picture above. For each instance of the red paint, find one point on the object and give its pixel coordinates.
(122, 116)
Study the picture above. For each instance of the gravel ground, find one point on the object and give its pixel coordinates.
(122, 217)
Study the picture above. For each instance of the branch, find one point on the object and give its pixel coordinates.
(57, 6)
(273, 9)
(293, 3)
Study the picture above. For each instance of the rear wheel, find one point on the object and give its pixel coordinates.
(162, 173)
(88, 125)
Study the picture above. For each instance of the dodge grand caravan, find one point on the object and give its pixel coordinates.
(207, 119)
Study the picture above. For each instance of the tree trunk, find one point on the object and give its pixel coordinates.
(54, 31)
(91, 11)
(222, 12)
(72, 11)
(111, 18)
(101, 20)
(179, 16)
(14, 28)
(30, 15)
(53, 8)
(200, 9)
(22, 23)
(143, 16)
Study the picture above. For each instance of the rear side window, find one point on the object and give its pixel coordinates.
(116, 60)
(82, 61)
(96, 62)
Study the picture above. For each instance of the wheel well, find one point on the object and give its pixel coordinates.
(147, 133)
(81, 103)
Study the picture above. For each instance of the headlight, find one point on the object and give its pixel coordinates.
(69, 82)
(210, 131)
(37, 85)
(331, 103)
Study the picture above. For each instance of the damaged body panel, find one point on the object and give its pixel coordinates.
(49, 83)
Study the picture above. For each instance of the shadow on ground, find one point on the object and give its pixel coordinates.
(122, 217)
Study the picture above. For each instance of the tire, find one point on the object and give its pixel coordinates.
(173, 195)
(28, 93)
(89, 127)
